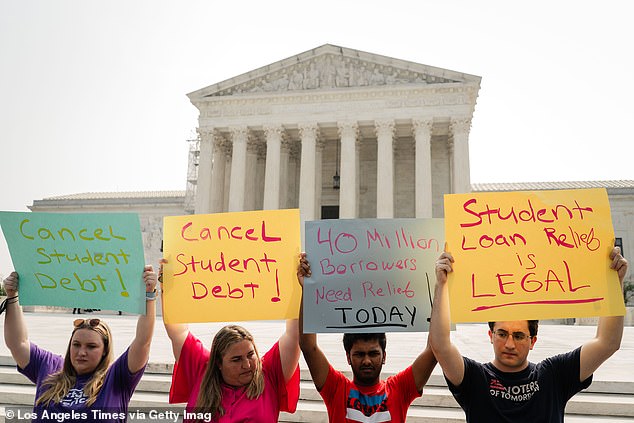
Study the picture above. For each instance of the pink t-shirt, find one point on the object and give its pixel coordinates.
(277, 395)
(387, 401)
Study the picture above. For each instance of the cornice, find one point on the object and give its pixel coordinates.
(392, 97)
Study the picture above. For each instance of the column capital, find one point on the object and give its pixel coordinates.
(239, 133)
(384, 128)
(206, 134)
(308, 130)
(218, 140)
(348, 129)
(460, 125)
(273, 130)
(422, 126)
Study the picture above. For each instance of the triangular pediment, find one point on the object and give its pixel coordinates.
(332, 67)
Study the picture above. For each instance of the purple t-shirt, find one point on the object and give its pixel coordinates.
(112, 401)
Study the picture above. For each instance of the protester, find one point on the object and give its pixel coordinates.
(510, 388)
(231, 382)
(84, 385)
(366, 398)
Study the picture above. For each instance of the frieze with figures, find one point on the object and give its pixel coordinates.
(332, 71)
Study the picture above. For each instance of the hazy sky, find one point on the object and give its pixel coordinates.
(93, 93)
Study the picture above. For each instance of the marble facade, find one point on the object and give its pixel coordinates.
(392, 130)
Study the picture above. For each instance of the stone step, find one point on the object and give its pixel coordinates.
(309, 411)
(25, 395)
(316, 413)
(8, 370)
(152, 367)
(152, 382)
(591, 403)
(607, 401)
(157, 378)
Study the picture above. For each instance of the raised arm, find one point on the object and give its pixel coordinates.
(176, 332)
(15, 333)
(423, 366)
(289, 348)
(289, 342)
(314, 356)
(609, 329)
(446, 353)
(140, 347)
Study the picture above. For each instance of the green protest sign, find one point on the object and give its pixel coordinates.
(91, 260)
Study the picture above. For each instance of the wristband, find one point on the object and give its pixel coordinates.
(150, 296)
(7, 301)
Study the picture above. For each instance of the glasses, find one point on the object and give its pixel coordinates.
(503, 335)
(80, 323)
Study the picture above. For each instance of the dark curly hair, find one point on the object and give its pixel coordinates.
(350, 338)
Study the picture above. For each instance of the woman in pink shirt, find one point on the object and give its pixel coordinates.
(231, 383)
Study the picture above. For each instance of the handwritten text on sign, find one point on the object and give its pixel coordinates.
(231, 266)
(370, 275)
(92, 260)
(531, 255)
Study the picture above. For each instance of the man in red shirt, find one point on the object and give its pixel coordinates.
(366, 398)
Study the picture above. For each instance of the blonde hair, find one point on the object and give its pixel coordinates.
(60, 382)
(210, 394)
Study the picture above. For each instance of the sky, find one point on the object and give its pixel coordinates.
(93, 93)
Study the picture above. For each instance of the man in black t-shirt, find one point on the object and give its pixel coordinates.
(510, 388)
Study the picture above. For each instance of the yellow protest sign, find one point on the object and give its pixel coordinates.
(531, 255)
(231, 266)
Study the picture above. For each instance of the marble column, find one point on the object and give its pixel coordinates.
(285, 176)
(204, 178)
(260, 175)
(308, 135)
(423, 177)
(218, 175)
(318, 175)
(250, 174)
(294, 173)
(238, 169)
(273, 167)
(349, 192)
(385, 169)
(459, 128)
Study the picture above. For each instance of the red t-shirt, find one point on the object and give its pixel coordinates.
(387, 401)
(277, 395)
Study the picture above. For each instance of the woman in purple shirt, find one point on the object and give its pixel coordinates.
(85, 385)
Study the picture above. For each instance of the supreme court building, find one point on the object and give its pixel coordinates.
(337, 133)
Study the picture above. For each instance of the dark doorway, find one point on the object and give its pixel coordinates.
(330, 212)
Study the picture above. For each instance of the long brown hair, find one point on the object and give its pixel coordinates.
(60, 383)
(210, 395)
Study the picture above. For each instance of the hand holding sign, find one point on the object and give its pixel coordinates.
(619, 264)
(10, 285)
(303, 270)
